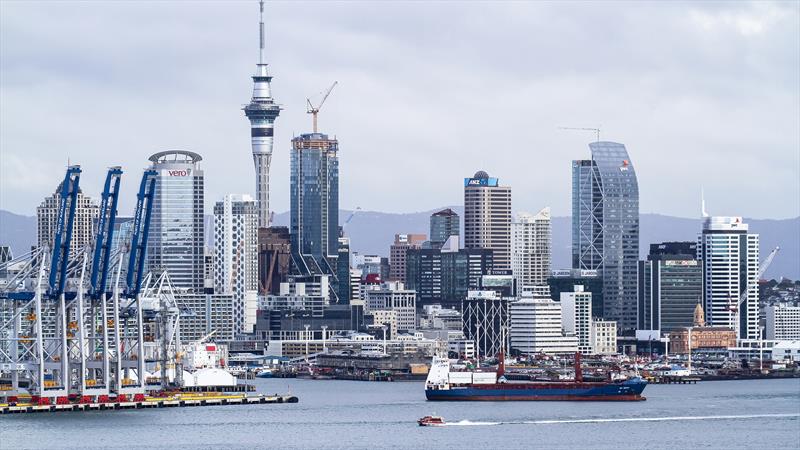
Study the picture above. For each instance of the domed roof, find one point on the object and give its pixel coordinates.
(481, 175)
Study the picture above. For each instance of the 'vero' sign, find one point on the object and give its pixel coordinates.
(179, 173)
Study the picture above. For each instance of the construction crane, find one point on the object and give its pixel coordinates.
(349, 218)
(735, 308)
(595, 130)
(314, 110)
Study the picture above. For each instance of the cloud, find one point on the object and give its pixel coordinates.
(429, 92)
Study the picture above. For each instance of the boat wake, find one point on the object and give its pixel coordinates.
(626, 419)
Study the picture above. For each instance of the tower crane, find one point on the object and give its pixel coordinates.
(736, 307)
(314, 110)
(595, 130)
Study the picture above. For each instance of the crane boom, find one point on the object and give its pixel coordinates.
(314, 110)
(595, 130)
(63, 232)
(105, 232)
(140, 232)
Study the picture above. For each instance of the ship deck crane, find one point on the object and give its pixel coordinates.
(314, 110)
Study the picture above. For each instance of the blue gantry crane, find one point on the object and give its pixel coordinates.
(140, 233)
(101, 260)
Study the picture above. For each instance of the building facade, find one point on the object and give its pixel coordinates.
(274, 258)
(397, 254)
(487, 217)
(485, 319)
(395, 297)
(604, 337)
(670, 286)
(605, 227)
(565, 280)
(262, 112)
(210, 313)
(177, 228)
(530, 248)
(445, 277)
(236, 256)
(576, 317)
(536, 327)
(444, 223)
(782, 322)
(86, 215)
(729, 254)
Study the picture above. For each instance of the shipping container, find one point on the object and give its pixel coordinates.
(484, 377)
(460, 377)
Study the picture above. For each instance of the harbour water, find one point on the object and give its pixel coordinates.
(753, 414)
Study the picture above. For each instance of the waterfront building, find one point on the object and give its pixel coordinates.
(485, 320)
(314, 208)
(210, 313)
(782, 322)
(729, 255)
(604, 337)
(670, 286)
(605, 227)
(274, 258)
(397, 254)
(565, 280)
(487, 217)
(536, 327)
(530, 248)
(576, 317)
(86, 215)
(443, 276)
(236, 256)
(289, 323)
(443, 224)
(177, 228)
(262, 112)
(395, 297)
(702, 336)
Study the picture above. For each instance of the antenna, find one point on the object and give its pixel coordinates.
(703, 203)
(596, 130)
(261, 33)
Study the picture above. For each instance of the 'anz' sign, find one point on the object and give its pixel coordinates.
(179, 172)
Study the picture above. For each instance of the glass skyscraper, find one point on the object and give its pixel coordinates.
(315, 204)
(177, 230)
(605, 227)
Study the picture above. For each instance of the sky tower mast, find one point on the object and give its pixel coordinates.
(262, 112)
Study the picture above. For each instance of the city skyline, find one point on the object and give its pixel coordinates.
(197, 117)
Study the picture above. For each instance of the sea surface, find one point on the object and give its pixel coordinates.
(753, 414)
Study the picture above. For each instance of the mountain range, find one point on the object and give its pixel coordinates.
(372, 233)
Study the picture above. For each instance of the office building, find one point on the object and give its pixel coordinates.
(445, 277)
(565, 280)
(300, 292)
(274, 258)
(262, 112)
(484, 316)
(236, 256)
(344, 286)
(177, 228)
(670, 286)
(576, 317)
(530, 248)
(782, 322)
(487, 217)
(729, 256)
(604, 337)
(444, 223)
(536, 327)
(210, 313)
(397, 254)
(314, 205)
(86, 215)
(393, 296)
(605, 227)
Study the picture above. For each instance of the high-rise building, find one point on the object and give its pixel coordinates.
(670, 286)
(536, 327)
(576, 316)
(530, 248)
(86, 214)
(236, 256)
(315, 204)
(262, 112)
(177, 228)
(344, 286)
(274, 258)
(445, 277)
(729, 255)
(397, 254)
(782, 322)
(444, 223)
(565, 280)
(487, 217)
(605, 227)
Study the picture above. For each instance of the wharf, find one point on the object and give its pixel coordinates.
(673, 380)
(151, 402)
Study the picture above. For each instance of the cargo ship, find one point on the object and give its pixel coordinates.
(443, 384)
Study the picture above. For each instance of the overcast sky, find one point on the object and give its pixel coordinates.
(702, 94)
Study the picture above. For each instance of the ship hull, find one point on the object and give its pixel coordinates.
(626, 391)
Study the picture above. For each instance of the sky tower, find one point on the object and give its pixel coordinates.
(262, 111)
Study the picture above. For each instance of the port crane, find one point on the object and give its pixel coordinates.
(314, 110)
(735, 307)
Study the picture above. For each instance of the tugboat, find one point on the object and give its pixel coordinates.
(431, 421)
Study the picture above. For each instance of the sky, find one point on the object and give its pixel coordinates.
(704, 96)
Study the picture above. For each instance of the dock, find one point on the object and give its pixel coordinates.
(150, 402)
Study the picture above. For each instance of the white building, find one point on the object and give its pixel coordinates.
(603, 337)
(86, 214)
(210, 312)
(387, 317)
(536, 327)
(394, 297)
(576, 316)
(530, 248)
(730, 268)
(782, 322)
(236, 256)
